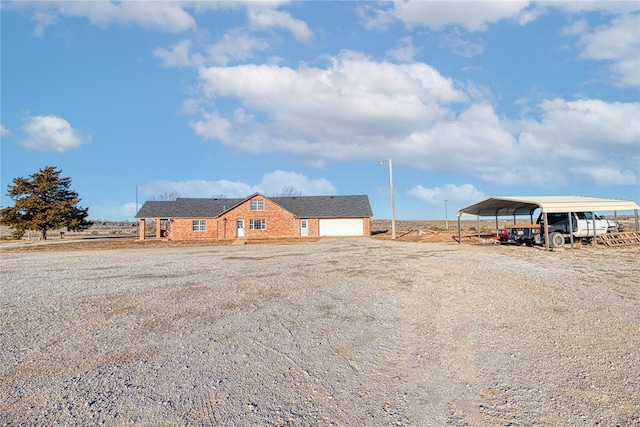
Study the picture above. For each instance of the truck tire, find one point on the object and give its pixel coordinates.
(556, 240)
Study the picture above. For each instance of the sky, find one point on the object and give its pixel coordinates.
(453, 102)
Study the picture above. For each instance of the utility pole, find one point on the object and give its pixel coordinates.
(446, 215)
(393, 208)
(137, 220)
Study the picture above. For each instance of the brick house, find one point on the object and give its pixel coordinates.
(258, 217)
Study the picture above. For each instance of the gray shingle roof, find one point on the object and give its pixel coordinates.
(301, 206)
(155, 209)
(326, 206)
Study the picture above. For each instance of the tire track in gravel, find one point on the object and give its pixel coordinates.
(205, 408)
(457, 358)
(439, 350)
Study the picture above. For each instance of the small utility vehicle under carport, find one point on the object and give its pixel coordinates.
(552, 208)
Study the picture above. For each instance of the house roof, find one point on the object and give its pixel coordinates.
(155, 209)
(326, 206)
(502, 206)
(300, 206)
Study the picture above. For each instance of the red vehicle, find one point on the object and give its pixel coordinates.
(521, 235)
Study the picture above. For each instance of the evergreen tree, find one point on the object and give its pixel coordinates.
(44, 202)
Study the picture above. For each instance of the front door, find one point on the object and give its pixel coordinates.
(240, 228)
(304, 227)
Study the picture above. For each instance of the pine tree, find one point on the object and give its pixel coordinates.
(44, 202)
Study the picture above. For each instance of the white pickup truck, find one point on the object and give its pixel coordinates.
(583, 225)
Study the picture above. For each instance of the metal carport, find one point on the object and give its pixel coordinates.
(519, 206)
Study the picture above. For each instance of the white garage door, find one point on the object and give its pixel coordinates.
(341, 227)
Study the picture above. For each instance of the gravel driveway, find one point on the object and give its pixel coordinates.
(336, 332)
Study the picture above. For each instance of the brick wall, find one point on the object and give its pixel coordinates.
(182, 229)
(314, 227)
(141, 226)
(279, 222)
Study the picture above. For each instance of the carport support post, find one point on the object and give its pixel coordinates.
(546, 230)
(595, 232)
(460, 229)
(570, 229)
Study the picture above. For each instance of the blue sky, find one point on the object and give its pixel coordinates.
(208, 99)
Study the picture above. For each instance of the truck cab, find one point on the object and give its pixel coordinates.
(584, 225)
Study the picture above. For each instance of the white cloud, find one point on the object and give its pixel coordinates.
(4, 131)
(164, 16)
(519, 169)
(375, 18)
(169, 16)
(457, 194)
(608, 174)
(577, 28)
(574, 137)
(263, 18)
(619, 44)
(50, 133)
(190, 106)
(178, 56)
(570, 141)
(42, 21)
(468, 142)
(358, 109)
(471, 15)
(272, 183)
(459, 45)
(477, 15)
(235, 45)
(322, 112)
(582, 133)
(530, 14)
(577, 7)
(197, 188)
(212, 126)
(405, 52)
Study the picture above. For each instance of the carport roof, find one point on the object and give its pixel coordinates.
(503, 206)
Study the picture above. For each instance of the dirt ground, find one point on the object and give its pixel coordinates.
(124, 235)
(360, 331)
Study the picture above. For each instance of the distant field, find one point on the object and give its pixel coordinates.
(124, 233)
(131, 228)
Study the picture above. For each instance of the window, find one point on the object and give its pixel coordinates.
(257, 204)
(257, 224)
(199, 225)
(556, 218)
